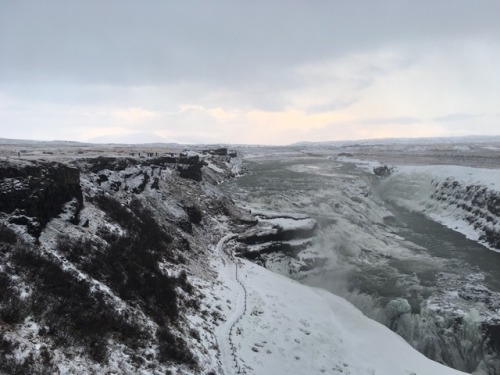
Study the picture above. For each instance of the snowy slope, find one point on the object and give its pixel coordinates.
(279, 326)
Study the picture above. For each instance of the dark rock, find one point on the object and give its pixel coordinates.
(186, 226)
(155, 184)
(102, 178)
(190, 171)
(113, 164)
(38, 190)
(382, 171)
(115, 185)
(314, 263)
(219, 151)
(491, 329)
(276, 235)
(145, 179)
(32, 224)
(185, 245)
(194, 214)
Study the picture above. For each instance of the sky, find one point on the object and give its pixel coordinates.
(248, 72)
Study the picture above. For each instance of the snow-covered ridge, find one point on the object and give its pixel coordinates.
(462, 198)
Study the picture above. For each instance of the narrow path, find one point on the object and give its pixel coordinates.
(225, 332)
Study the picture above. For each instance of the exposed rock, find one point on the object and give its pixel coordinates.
(39, 191)
(222, 151)
(145, 179)
(491, 329)
(382, 171)
(286, 235)
(480, 206)
(194, 214)
(190, 171)
(113, 164)
(273, 231)
(155, 184)
(102, 178)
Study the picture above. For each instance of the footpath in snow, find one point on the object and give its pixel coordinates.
(275, 325)
(228, 274)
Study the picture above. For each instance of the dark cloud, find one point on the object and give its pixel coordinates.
(225, 42)
(210, 69)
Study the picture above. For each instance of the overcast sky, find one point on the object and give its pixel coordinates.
(237, 71)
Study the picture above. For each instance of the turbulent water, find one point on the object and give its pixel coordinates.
(432, 285)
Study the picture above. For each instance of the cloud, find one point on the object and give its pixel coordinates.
(263, 71)
(134, 115)
(224, 43)
(454, 117)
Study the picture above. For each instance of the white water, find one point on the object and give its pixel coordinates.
(383, 252)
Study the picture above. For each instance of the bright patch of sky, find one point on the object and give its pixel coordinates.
(248, 72)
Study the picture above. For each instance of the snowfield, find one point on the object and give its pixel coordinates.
(279, 326)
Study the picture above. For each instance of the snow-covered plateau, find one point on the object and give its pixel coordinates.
(130, 260)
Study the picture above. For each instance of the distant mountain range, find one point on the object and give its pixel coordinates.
(151, 139)
(385, 141)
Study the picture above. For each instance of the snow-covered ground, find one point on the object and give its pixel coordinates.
(265, 323)
(279, 326)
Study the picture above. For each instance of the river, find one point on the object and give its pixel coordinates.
(428, 283)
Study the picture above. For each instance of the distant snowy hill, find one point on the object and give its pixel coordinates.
(402, 141)
(7, 141)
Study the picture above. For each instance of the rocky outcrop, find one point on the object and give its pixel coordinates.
(278, 229)
(277, 234)
(188, 166)
(111, 163)
(191, 171)
(32, 193)
(479, 205)
(382, 171)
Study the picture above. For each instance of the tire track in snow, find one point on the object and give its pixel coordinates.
(226, 331)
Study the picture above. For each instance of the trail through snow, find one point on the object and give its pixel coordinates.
(290, 329)
(228, 273)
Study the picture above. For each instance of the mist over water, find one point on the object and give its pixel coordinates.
(424, 281)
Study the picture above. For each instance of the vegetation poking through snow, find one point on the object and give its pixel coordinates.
(110, 283)
(72, 311)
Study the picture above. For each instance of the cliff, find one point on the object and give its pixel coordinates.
(102, 262)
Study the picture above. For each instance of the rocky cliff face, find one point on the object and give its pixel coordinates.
(102, 263)
(32, 193)
(479, 206)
